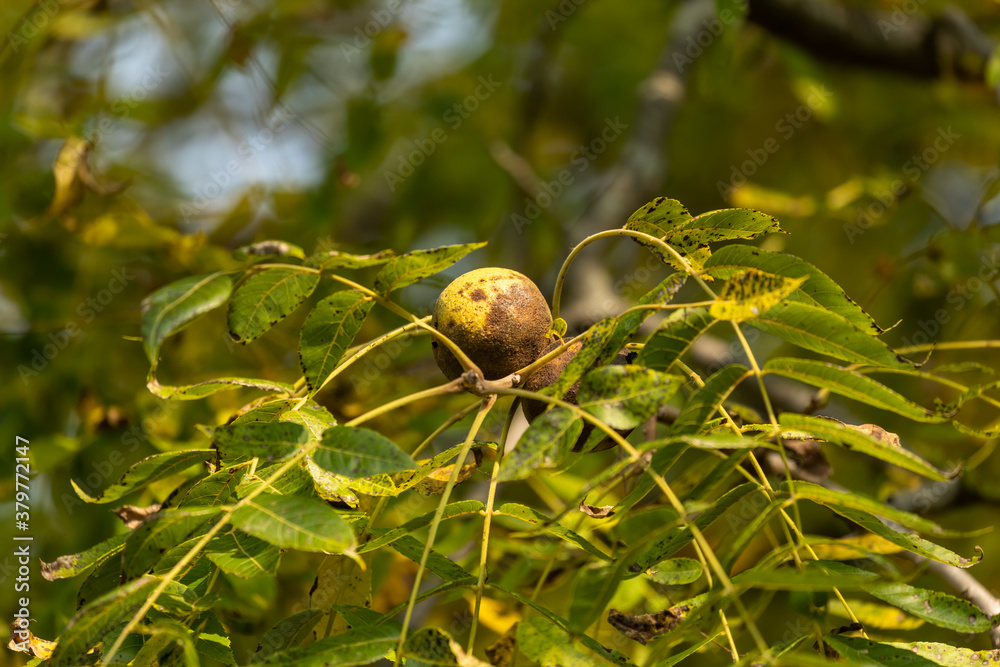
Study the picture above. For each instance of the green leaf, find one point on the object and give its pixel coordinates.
(751, 293)
(295, 522)
(452, 510)
(358, 646)
(266, 298)
(75, 564)
(546, 524)
(98, 618)
(437, 563)
(625, 396)
(287, 634)
(675, 337)
(215, 489)
(549, 645)
(813, 576)
(150, 469)
(328, 331)
(945, 655)
(268, 442)
(670, 222)
(413, 266)
(358, 452)
(827, 333)
(861, 651)
(857, 501)
(841, 434)
(914, 543)
(333, 259)
(429, 647)
(818, 289)
(545, 444)
(706, 400)
(169, 309)
(193, 392)
(630, 321)
(594, 341)
(850, 384)
(158, 533)
(243, 555)
(941, 609)
(676, 572)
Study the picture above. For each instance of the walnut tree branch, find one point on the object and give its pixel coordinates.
(950, 44)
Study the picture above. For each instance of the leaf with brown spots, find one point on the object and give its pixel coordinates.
(645, 627)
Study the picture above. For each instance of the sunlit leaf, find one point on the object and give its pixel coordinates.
(941, 609)
(667, 220)
(676, 572)
(169, 309)
(208, 387)
(594, 342)
(625, 396)
(841, 434)
(850, 384)
(265, 441)
(751, 293)
(827, 333)
(357, 452)
(334, 259)
(266, 298)
(860, 502)
(413, 266)
(817, 290)
(328, 332)
(269, 248)
(544, 444)
(295, 522)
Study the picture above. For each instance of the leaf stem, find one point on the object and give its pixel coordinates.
(487, 523)
(485, 406)
(612, 233)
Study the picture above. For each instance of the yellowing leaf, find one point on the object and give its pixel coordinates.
(874, 615)
(751, 293)
(498, 616)
(858, 546)
(22, 640)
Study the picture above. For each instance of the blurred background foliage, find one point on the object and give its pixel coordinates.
(143, 141)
